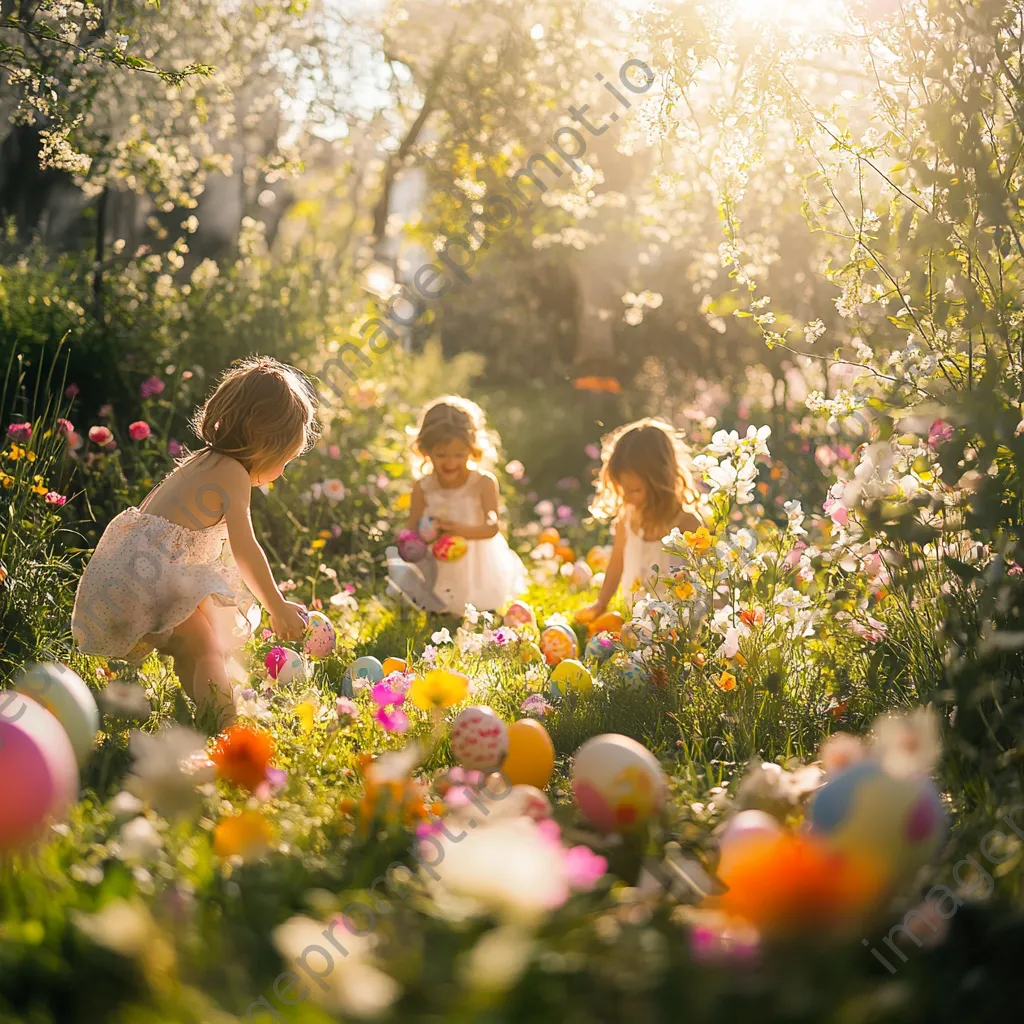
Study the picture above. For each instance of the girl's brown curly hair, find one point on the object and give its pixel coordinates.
(653, 450)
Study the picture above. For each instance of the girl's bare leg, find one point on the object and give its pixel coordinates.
(199, 664)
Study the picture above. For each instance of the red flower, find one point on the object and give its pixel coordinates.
(100, 435)
(139, 430)
(752, 617)
(53, 498)
(242, 755)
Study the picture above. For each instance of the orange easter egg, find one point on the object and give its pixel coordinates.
(565, 553)
(394, 665)
(531, 754)
(549, 536)
(558, 643)
(610, 622)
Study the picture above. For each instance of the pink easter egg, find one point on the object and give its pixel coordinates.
(320, 636)
(519, 614)
(275, 661)
(38, 768)
(411, 546)
(479, 739)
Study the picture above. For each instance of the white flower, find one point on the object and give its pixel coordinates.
(795, 515)
(333, 490)
(731, 646)
(908, 745)
(125, 805)
(126, 928)
(168, 767)
(139, 841)
(471, 615)
(442, 636)
(498, 959)
(347, 983)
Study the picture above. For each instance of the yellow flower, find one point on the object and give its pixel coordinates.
(245, 834)
(404, 501)
(326, 534)
(16, 453)
(39, 485)
(439, 689)
(306, 714)
(726, 681)
(317, 544)
(7, 481)
(700, 540)
(684, 591)
(739, 659)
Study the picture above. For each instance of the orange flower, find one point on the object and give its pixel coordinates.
(699, 540)
(726, 681)
(684, 590)
(242, 755)
(752, 616)
(609, 384)
(245, 834)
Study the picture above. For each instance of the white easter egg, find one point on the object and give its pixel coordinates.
(63, 693)
(617, 782)
(479, 738)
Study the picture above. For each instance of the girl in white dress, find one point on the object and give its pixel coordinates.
(460, 497)
(646, 486)
(175, 573)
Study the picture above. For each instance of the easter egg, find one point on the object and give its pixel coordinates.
(411, 546)
(64, 694)
(366, 671)
(617, 783)
(517, 801)
(549, 536)
(519, 614)
(394, 665)
(564, 553)
(598, 559)
(609, 622)
(320, 636)
(479, 738)
(634, 672)
(285, 665)
(600, 647)
(449, 548)
(569, 674)
(530, 653)
(740, 830)
(38, 768)
(864, 811)
(558, 643)
(531, 754)
(582, 574)
(427, 529)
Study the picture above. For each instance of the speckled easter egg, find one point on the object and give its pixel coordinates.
(634, 672)
(411, 546)
(900, 823)
(38, 769)
(320, 636)
(479, 739)
(558, 643)
(618, 783)
(568, 675)
(530, 653)
(519, 614)
(285, 665)
(364, 671)
(742, 828)
(531, 754)
(449, 548)
(609, 622)
(582, 574)
(598, 559)
(64, 694)
(394, 665)
(427, 529)
(600, 648)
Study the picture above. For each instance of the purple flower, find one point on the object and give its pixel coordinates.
(502, 635)
(151, 386)
(939, 433)
(19, 432)
(399, 681)
(567, 483)
(535, 704)
(174, 448)
(71, 391)
(564, 512)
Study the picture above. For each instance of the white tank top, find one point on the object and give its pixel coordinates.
(638, 561)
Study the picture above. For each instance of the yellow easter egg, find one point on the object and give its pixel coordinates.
(531, 754)
(569, 674)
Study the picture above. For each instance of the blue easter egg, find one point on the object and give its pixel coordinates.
(367, 670)
(600, 647)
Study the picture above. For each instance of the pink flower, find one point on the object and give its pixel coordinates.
(939, 433)
(564, 512)
(186, 374)
(53, 498)
(515, 469)
(267, 634)
(174, 448)
(535, 704)
(584, 867)
(71, 391)
(74, 441)
(100, 435)
(502, 635)
(334, 451)
(19, 432)
(151, 386)
(66, 427)
(833, 505)
(139, 430)
(347, 709)
(592, 451)
(389, 714)
(106, 411)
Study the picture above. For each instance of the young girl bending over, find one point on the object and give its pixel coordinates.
(175, 573)
(461, 498)
(646, 486)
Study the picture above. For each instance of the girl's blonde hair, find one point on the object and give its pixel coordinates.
(261, 413)
(653, 450)
(454, 418)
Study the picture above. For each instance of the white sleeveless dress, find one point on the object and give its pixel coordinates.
(487, 576)
(638, 561)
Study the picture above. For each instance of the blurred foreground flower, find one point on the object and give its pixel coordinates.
(126, 701)
(242, 755)
(169, 765)
(245, 835)
(128, 928)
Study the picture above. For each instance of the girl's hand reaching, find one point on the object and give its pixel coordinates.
(588, 614)
(288, 622)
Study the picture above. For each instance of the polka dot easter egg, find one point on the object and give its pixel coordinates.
(285, 665)
(479, 739)
(618, 783)
(64, 694)
(558, 643)
(320, 636)
(411, 546)
(449, 548)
